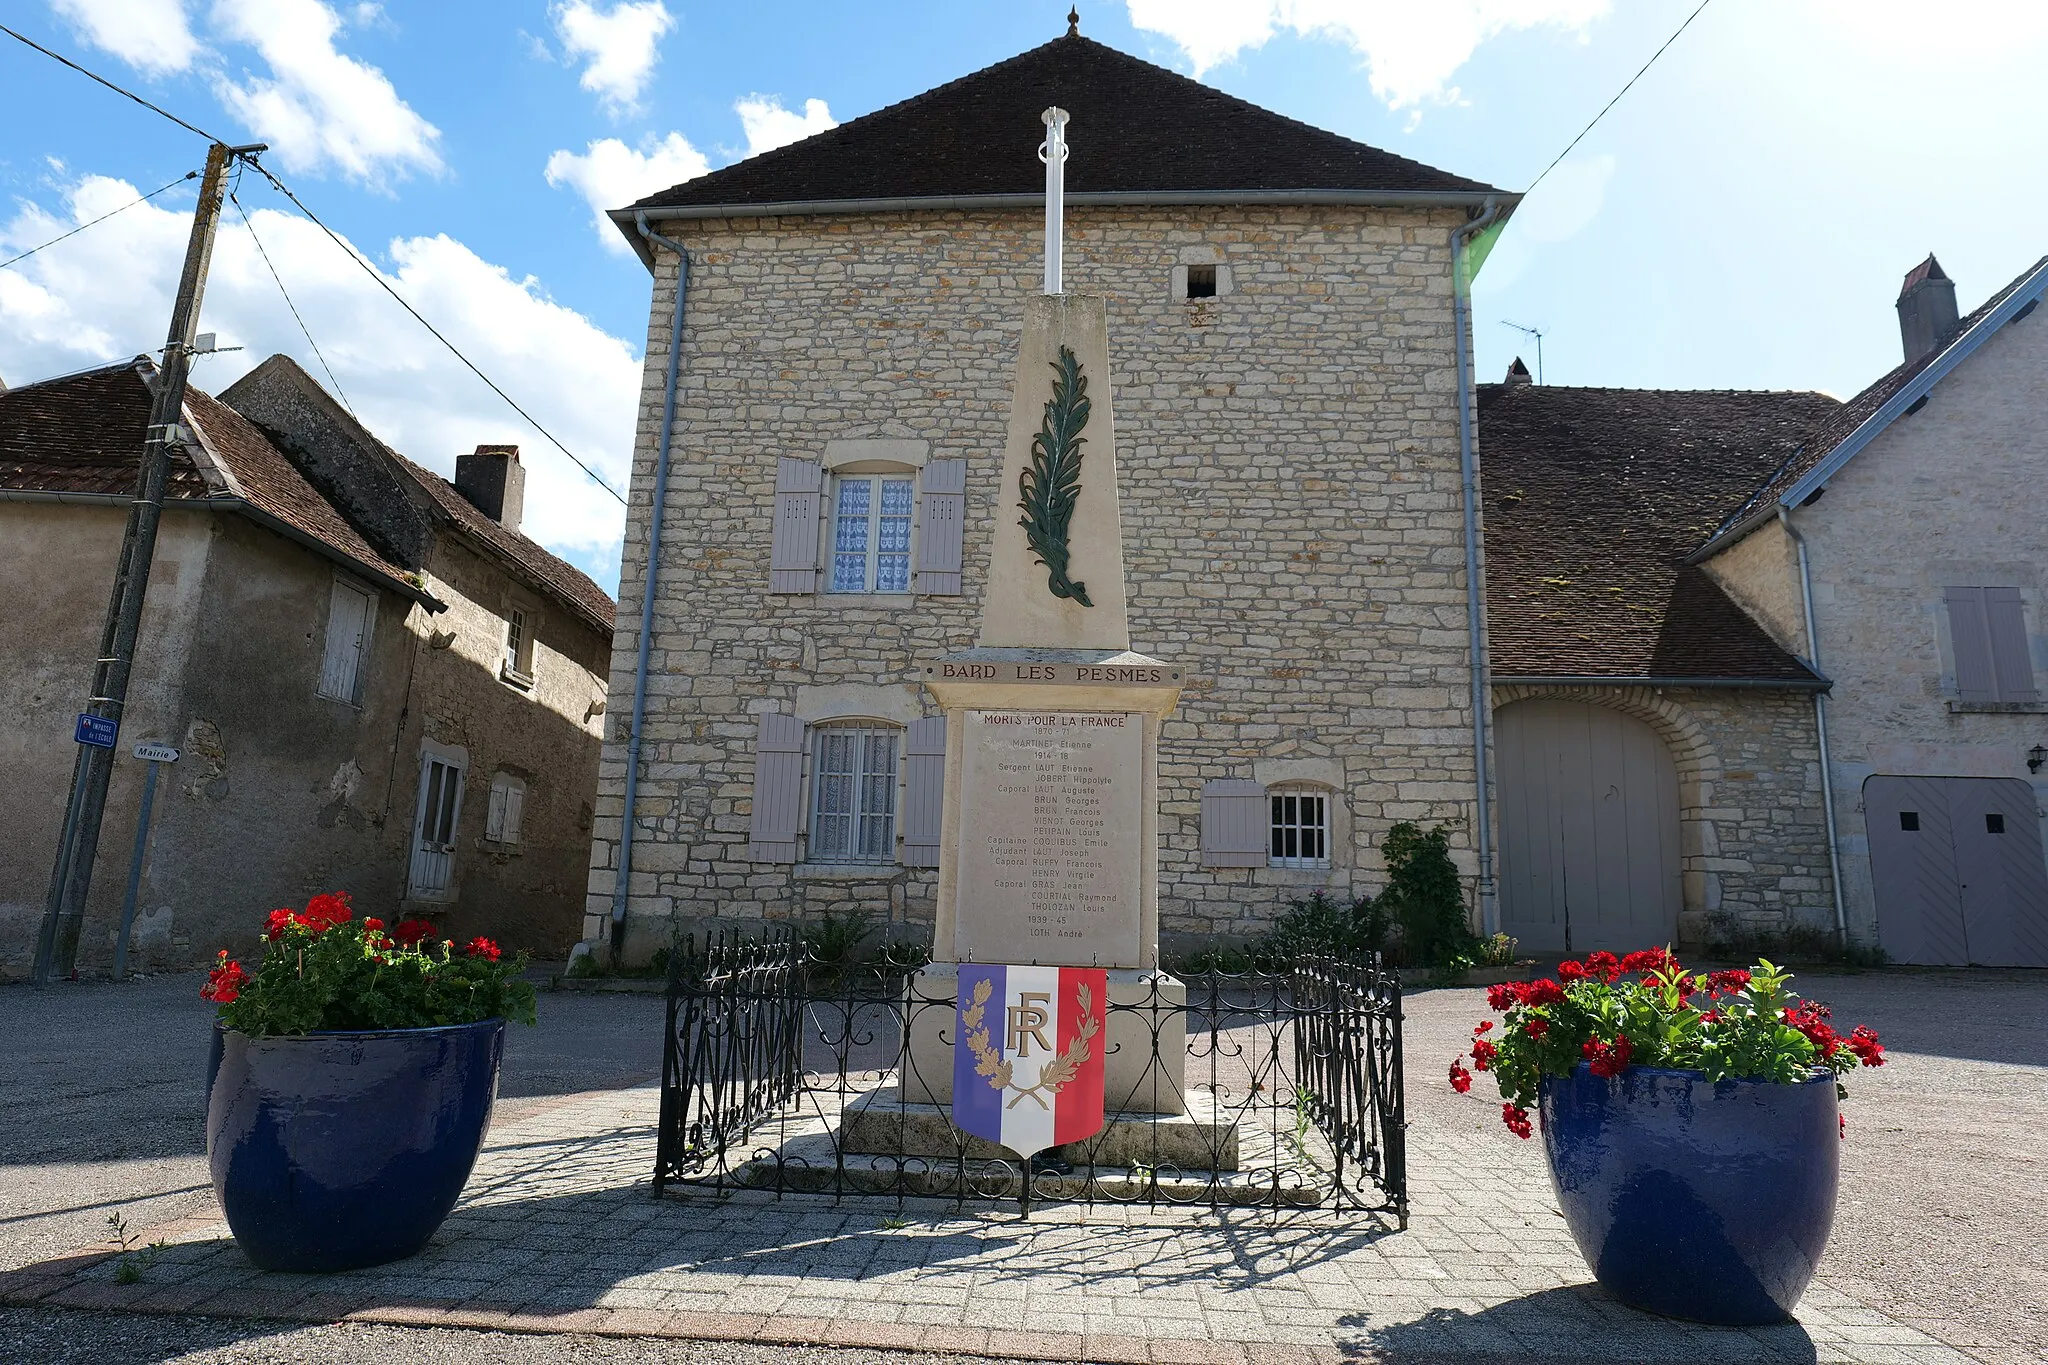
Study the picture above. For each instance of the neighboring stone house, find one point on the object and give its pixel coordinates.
(376, 683)
(1281, 340)
(1658, 773)
(1910, 527)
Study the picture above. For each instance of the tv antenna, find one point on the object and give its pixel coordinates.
(1536, 332)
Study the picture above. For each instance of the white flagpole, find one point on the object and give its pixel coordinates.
(1053, 152)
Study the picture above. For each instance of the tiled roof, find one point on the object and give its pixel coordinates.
(1593, 499)
(83, 433)
(1858, 410)
(543, 570)
(1138, 129)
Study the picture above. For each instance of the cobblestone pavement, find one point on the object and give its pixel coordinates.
(1934, 1258)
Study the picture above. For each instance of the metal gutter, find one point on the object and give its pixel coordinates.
(1820, 725)
(1608, 680)
(622, 877)
(243, 507)
(1475, 605)
(631, 221)
(1965, 344)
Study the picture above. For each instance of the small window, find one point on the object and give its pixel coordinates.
(1300, 828)
(1994, 823)
(350, 612)
(1201, 281)
(508, 805)
(1909, 820)
(871, 532)
(518, 647)
(853, 794)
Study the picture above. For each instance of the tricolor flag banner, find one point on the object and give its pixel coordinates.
(1027, 1055)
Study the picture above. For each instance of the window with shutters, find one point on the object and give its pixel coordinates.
(351, 610)
(871, 532)
(508, 806)
(1299, 827)
(853, 794)
(1988, 632)
(517, 667)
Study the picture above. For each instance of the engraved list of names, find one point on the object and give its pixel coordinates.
(1051, 823)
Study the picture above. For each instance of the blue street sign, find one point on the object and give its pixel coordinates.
(99, 731)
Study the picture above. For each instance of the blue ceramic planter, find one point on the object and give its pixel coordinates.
(341, 1150)
(1693, 1198)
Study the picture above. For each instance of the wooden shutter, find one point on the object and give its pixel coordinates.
(793, 561)
(494, 814)
(778, 789)
(348, 628)
(942, 489)
(924, 790)
(1976, 680)
(2012, 666)
(1235, 832)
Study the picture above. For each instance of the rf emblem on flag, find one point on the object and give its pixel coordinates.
(1027, 1054)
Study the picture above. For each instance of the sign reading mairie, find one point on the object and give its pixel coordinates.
(1056, 673)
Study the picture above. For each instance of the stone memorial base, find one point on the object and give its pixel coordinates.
(1144, 1069)
(1205, 1138)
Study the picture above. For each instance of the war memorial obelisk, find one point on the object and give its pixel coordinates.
(1049, 849)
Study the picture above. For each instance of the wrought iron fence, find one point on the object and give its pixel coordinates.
(1275, 1088)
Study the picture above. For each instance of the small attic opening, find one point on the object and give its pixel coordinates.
(1201, 281)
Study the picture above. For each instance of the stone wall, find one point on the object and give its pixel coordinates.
(1752, 830)
(1291, 521)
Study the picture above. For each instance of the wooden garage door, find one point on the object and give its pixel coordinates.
(1957, 867)
(1589, 828)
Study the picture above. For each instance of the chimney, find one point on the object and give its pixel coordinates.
(1927, 310)
(1518, 373)
(494, 483)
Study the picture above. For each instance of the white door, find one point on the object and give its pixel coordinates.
(440, 812)
(1588, 829)
(1957, 869)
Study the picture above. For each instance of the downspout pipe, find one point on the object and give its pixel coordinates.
(1820, 726)
(1468, 473)
(622, 881)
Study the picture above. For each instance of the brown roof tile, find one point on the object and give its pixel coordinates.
(1138, 128)
(1593, 499)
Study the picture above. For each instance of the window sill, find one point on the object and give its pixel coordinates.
(1997, 708)
(847, 872)
(895, 601)
(522, 681)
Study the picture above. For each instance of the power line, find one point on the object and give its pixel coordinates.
(296, 317)
(189, 175)
(453, 350)
(1617, 96)
(92, 75)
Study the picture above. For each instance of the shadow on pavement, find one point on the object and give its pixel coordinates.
(1569, 1326)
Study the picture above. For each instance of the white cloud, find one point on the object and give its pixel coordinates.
(1411, 50)
(609, 175)
(769, 125)
(618, 45)
(104, 296)
(320, 107)
(150, 35)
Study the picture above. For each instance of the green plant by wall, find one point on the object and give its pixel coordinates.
(1424, 896)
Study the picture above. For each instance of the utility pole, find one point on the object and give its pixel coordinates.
(64, 911)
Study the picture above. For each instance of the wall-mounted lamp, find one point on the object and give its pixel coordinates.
(2036, 756)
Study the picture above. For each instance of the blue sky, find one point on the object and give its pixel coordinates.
(1742, 219)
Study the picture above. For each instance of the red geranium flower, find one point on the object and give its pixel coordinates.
(1543, 992)
(1711, 1017)
(280, 920)
(1485, 1025)
(1603, 964)
(411, 931)
(1863, 1042)
(1535, 1026)
(1645, 960)
(1573, 971)
(1728, 982)
(1461, 1079)
(483, 948)
(325, 911)
(1503, 996)
(1516, 1119)
(1811, 1020)
(372, 924)
(1607, 1059)
(224, 982)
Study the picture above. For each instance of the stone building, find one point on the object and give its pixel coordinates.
(375, 682)
(1282, 352)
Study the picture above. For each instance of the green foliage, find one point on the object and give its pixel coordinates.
(1319, 926)
(323, 971)
(1051, 485)
(1497, 951)
(1424, 896)
(903, 956)
(835, 939)
(1805, 945)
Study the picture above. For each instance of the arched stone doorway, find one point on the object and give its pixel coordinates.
(1589, 828)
